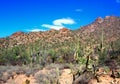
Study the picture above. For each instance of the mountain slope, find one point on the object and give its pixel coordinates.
(109, 26)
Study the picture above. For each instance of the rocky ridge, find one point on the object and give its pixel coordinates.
(110, 25)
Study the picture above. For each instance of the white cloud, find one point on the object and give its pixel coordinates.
(35, 30)
(78, 10)
(56, 27)
(63, 21)
(59, 23)
(118, 1)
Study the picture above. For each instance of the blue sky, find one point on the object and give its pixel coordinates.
(36, 15)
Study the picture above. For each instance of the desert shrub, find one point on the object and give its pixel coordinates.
(16, 55)
(102, 56)
(60, 60)
(53, 55)
(50, 77)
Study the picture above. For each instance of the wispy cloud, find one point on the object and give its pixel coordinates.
(78, 10)
(118, 1)
(59, 23)
(35, 30)
(63, 21)
(56, 27)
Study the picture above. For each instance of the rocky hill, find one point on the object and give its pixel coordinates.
(50, 36)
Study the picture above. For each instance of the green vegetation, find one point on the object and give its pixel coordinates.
(42, 52)
(15, 55)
